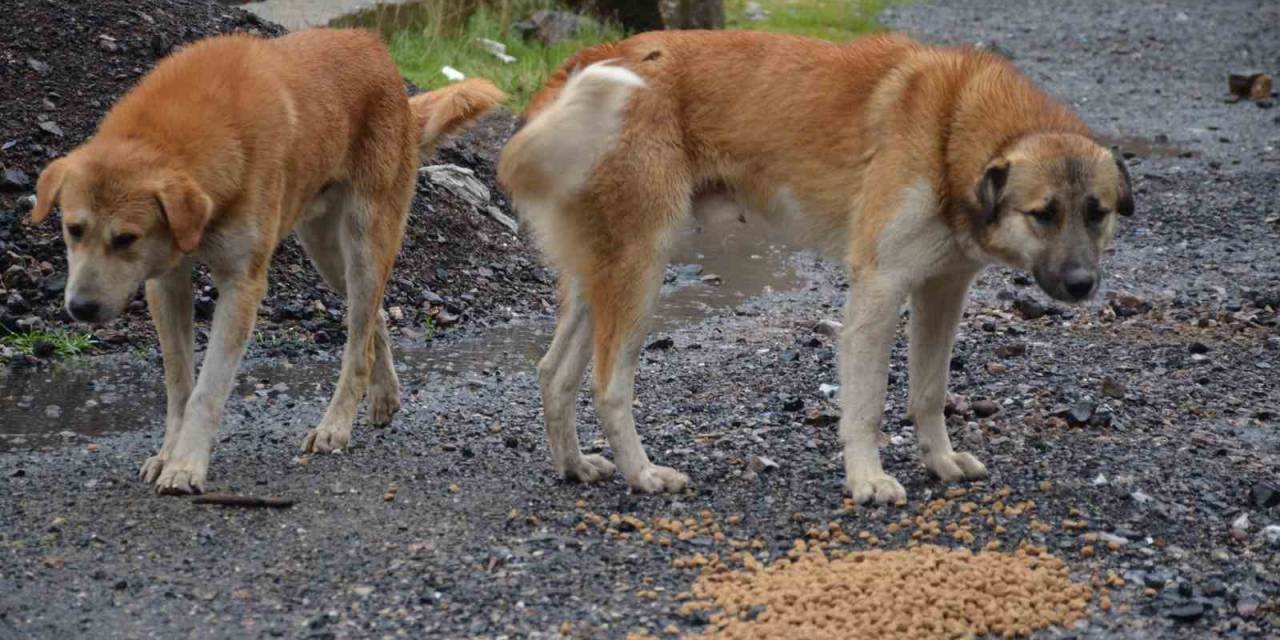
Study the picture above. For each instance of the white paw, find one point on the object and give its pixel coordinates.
(151, 468)
(384, 402)
(656, 479)
(326, 440)
(954, 467)
(182, 477)
(590, 468)
(880, 487)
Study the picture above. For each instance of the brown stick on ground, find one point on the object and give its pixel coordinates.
(248, 502)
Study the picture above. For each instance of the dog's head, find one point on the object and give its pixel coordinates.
(1048, 205)
(126, 217)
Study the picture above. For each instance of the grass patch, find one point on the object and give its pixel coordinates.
(421, 54)
(64, 342)
(835, 20)
(448, 36)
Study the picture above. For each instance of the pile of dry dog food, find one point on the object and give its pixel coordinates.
(924, 591)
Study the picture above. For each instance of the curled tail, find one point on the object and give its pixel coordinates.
(554, 154)
(443, 111)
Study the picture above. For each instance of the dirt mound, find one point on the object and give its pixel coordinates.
(62, 65)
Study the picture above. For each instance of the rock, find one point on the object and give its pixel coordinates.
(1113, 388)
(829, 328)
(14, 180)
(985, 408)
(108, 44)
(51, 127)
(38, 66)
(460, 181)
(54, 284)
(1012, 350)
(503, 219)
(712, 279)
(1125, 305)
(396, 313)
(1187, 613)
(758, 464)
(1271, 534)
(661, 344)
(1080, 413)
(753, 12)
(1198, 348)
(552, 26)
(1250, 84)
(16, 303)
(793, 404)
(1264, 495)
(43, 349)
(820, 418)
(828, 391)
(1029, 309)
(1246, 607)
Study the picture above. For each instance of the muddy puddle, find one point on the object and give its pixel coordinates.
(714, 267)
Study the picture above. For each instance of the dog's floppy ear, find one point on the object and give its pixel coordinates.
(990, 187)
(187, 208)
(447, 109)
(1124, 202)
(47, 188)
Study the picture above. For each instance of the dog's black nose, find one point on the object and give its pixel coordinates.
(1079, 283)
(83, 310)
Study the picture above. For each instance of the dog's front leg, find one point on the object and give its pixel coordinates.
(233, 318)
(935, 313)
(871, 316)
(170, 299)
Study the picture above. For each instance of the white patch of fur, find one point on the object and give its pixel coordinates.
(571, 136)
(917, 242)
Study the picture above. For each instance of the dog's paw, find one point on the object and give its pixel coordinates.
(880, 487)
(656, 479)
(590, 468)
(326, 440)
(151, 468)
(384, 402)
(182, 477)
(955, 466)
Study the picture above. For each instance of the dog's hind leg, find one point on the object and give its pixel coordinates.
(368, 234)
(320, 238)
(622, 294)
(170, 299)
(559, 376)
(936, 305)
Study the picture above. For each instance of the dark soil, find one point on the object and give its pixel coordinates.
(1137, 437)
(65, 63)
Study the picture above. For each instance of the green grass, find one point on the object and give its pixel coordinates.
(64, 342)
(448, 37)
(421, 54)
(835, 20)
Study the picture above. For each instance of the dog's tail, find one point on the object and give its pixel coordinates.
(447, 109)
(555, 152)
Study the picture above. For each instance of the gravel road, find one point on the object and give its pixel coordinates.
(1143, 429)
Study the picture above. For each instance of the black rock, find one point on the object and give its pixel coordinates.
(754, 612)
(16, 303)
(54, 284)
(1185, 589)
(1189, 612)
(1198, 347)
(1264, 495)
(661, 344)
(43, 349)
(985, 408)
(793, 404)
(204, 308)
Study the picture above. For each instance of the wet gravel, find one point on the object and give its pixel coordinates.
(1137, 438)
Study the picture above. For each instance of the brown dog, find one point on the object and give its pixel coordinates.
(220, 151)
(915, 165)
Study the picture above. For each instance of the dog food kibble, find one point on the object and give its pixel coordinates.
(922, 592)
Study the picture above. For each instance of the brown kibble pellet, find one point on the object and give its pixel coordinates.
(877, 594)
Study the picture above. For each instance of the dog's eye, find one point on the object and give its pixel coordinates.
(123, 241)
(1094, 213)
(1044, 216)
(75, 231)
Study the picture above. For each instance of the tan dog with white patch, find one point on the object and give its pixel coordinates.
(916, 165)
(222, 150)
